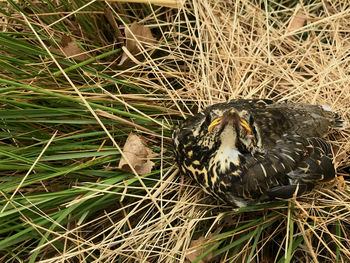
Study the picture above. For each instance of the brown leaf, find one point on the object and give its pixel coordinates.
(135, 35)
(195, 252)
(137, 154)
(328, 6)
(111, 20)
(340, 183)
(340, 154)
(70, 49)
(297, 21)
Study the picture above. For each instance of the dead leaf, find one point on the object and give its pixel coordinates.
(111, 20)
(195, 252)
(328, 6)
(70, 49)
(340, 154)
(297, 21)
(136, 35)
(340, 183)
(137, 154)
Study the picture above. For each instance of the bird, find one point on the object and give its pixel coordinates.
(250, 151)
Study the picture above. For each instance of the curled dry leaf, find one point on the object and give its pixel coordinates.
(195, 252)
(70, 49)
(340, 183)
(297, 21)
(135, 35)
(137, 154)
(339, 153)
(328, 5)
(111, 20)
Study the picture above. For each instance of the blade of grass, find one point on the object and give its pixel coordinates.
(88, 61)
(338, 234)
(73, 99)
(256, 240)
(290, 233)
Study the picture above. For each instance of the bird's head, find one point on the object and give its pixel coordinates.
(207, 133)
(233, 129)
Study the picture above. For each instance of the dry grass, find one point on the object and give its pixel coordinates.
(217, 51)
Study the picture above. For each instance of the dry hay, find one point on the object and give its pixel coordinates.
(241, 50)
(221, 50)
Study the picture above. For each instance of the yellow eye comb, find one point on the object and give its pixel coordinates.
(218, 121)
(246, 126)
(214, 123)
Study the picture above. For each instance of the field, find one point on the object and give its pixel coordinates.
(90, 94)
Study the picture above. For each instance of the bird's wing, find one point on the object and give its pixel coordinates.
(292, 167)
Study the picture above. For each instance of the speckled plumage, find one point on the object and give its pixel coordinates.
(249, 151)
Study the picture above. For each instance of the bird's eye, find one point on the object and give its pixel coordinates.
(214, 123)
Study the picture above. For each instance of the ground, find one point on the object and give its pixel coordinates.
(79, 78)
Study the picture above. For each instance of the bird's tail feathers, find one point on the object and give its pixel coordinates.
(339, 123)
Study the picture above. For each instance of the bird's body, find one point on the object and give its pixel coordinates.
(249, 151)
